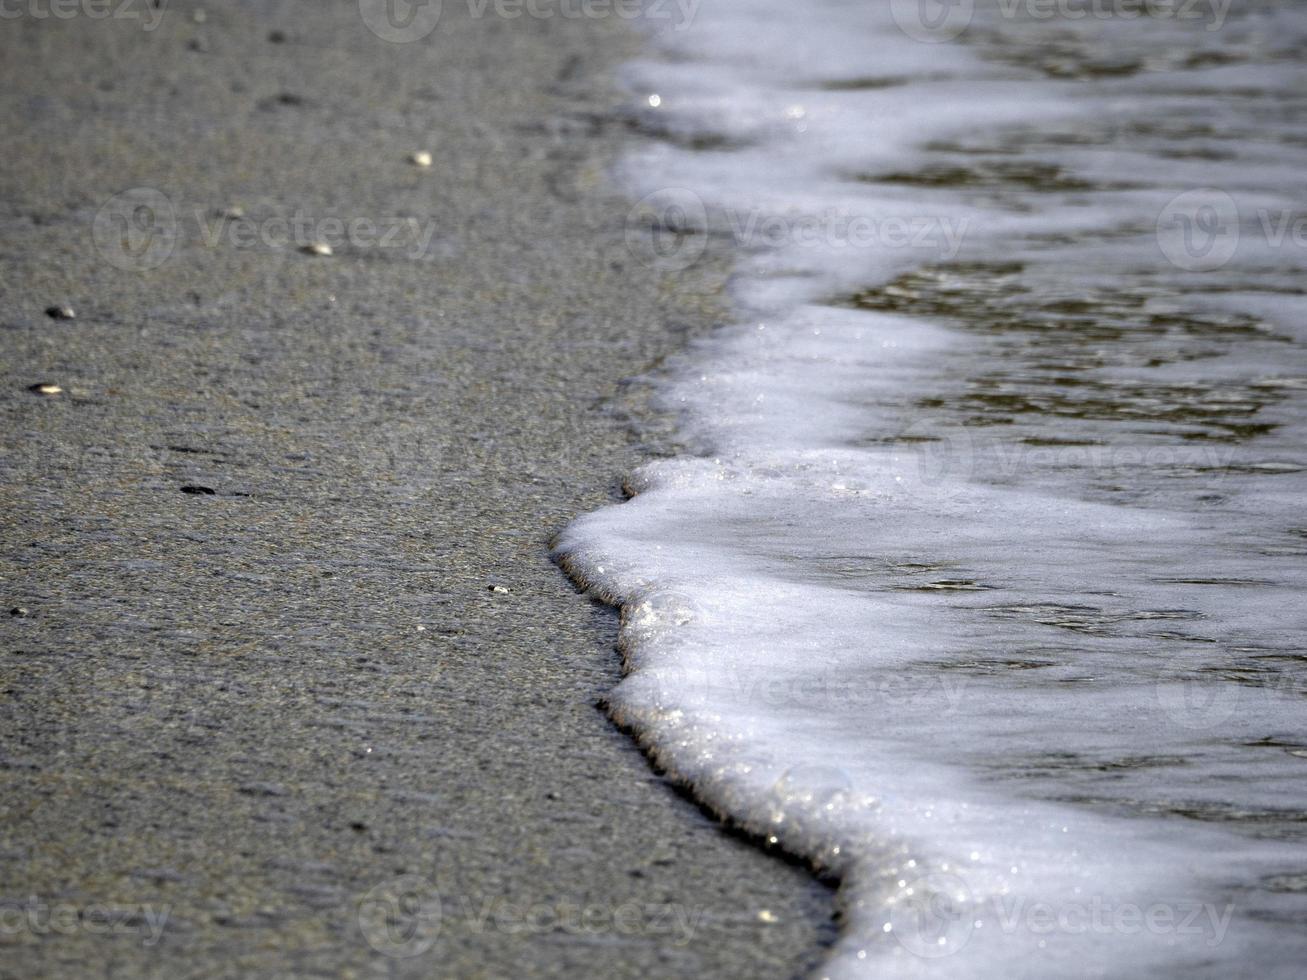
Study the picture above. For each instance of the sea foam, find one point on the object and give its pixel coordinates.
(982, 587)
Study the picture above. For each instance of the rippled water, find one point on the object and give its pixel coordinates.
(981, 584)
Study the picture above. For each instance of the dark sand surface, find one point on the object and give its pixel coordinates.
(237, 714)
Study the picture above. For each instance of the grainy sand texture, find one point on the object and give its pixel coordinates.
(288, 685)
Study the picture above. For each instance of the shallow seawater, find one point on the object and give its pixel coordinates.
(982, 583)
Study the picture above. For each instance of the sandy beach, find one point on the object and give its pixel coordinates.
(288, 684)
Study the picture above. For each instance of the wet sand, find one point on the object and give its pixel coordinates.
(238, 726)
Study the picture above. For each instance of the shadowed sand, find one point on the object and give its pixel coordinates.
(236, 714)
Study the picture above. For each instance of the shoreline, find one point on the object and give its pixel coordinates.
(271, 709)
